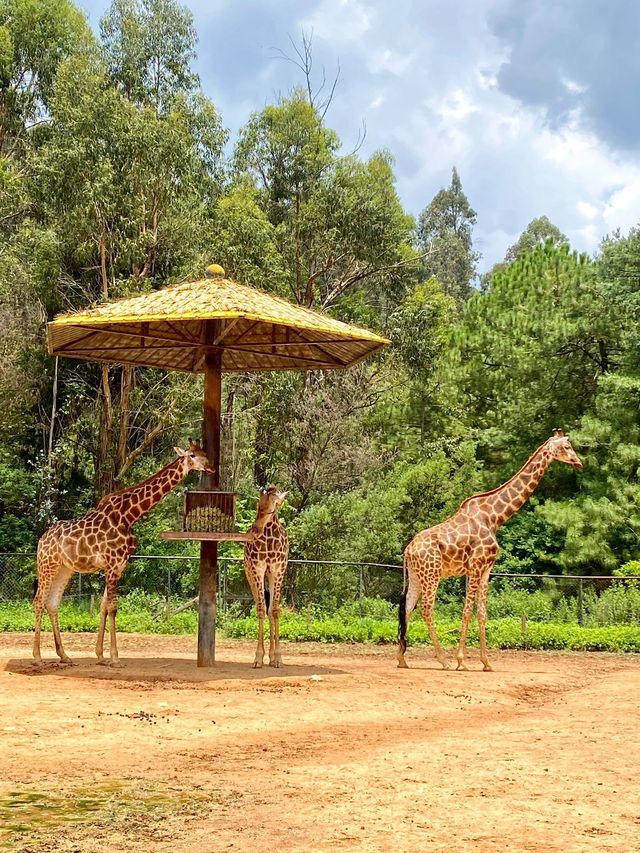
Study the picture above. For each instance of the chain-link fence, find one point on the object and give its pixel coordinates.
(330, 585)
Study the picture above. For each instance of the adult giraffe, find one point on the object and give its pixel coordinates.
(466, 544)
(265, 558)
(102, 540)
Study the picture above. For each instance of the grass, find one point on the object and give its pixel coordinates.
(548, 625)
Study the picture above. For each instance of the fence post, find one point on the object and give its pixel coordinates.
(360, 589)
(79, 588)
(580, 602)
(168, 585)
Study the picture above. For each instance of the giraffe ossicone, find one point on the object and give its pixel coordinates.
(102, 540)
(466, 544)
(265, 563)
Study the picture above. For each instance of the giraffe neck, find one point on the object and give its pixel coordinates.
(501, 503)
(137, 501)
(263, 521)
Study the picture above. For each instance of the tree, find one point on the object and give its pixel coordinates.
(530, 352)
(330, 232)
(420, 328)
(127, 185)
(445, 235)
(339, 221)
(35, 35)
(538, 232)
(149, 46)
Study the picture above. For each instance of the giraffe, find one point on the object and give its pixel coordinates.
(265, 558)
(101, 540)
(466, 544)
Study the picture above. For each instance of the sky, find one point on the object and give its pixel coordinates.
(534, 101)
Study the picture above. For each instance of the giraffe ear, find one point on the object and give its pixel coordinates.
(179, 451)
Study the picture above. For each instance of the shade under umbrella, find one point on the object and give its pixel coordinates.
(210, 326)
(174, 329)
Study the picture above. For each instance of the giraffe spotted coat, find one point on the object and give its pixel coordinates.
(102, 540)
(466, 544)
(265, 560)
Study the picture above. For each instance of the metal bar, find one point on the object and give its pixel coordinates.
(580, 602)
(351, 563)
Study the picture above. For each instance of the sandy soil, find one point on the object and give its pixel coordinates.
(339, 750)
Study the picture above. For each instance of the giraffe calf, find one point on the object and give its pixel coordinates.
(265, 561)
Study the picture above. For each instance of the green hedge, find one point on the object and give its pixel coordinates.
(142, 614)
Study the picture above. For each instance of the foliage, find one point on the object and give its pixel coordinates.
(145, 614)
(445, 235)
(115, 179)
(539, 231)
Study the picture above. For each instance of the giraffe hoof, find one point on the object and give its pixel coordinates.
(67, 662)
(462, 666)
(487, 668)
(445, 664)
(116, 664)
(102, 662)
(277, 663)
(257, 664)
(402, 664)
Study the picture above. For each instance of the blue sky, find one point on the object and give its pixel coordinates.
(535, 101)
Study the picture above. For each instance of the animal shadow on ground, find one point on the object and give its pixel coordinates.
(166, 669)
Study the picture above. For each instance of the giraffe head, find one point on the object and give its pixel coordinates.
(270, 501)
(194, 458)
(562, 450)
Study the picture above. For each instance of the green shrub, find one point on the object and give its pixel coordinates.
(617, 607)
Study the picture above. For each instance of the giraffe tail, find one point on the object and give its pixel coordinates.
(35, 587)
(267, 595)
(402, 610)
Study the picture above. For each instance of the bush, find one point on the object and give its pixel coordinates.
(608, 616)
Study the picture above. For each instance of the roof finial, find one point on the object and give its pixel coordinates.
(214, 271)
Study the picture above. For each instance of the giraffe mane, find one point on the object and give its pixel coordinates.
(502, 485)
(103, 501)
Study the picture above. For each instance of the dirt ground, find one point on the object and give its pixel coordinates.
(339, 750)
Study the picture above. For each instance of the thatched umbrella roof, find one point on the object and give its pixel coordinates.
(174, 329)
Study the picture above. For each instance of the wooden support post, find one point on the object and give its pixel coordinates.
(209, 550)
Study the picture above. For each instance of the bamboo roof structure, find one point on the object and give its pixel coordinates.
(176, 327)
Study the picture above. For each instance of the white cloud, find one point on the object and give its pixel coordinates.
(427, 81)
(587, 210)
(339, 21)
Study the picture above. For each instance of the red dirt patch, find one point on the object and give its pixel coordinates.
(339, 750)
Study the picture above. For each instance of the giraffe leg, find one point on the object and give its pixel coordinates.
(101, 628)
(482, 621)
(261, 608)
(52, 603)
(413, 594)
(255, 577)
(427, 606)
(111, 608)
(275, 657)
(38, 608)
(473, 581)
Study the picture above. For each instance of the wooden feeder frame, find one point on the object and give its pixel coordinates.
(224, 501)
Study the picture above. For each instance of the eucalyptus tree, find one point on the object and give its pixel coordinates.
(445, 233)
(332, 235)
(538, 232)
(126, 177)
